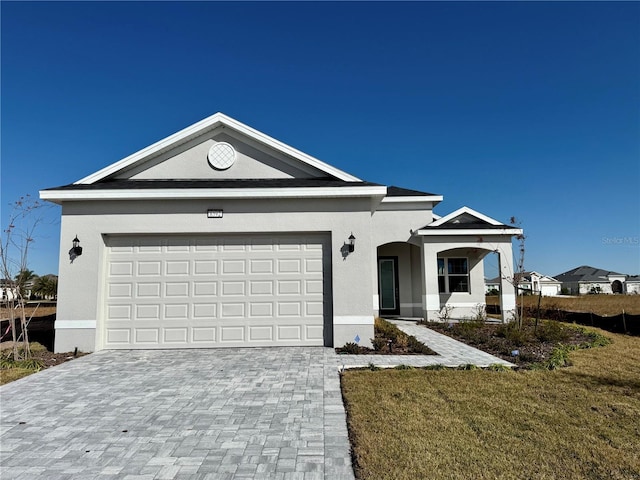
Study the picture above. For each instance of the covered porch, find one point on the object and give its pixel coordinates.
(439, 272)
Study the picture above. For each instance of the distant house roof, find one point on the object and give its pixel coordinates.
(585, 273)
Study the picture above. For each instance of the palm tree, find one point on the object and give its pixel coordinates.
(46, 286)
(22, 282)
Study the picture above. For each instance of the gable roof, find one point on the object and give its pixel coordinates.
(465, 221)
(216, 121)
(466, 217)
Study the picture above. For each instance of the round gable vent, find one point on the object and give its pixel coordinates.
(221, 156)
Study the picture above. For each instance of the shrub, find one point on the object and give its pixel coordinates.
(386, 329)
(403, 367)
(468, 366)
(498, 367)
(351, 347)
(373, 367)
(417, 346)
(379, 343)
(552, 331)
(513, 333)
(438, 366)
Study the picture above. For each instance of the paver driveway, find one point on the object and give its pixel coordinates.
(178, 414)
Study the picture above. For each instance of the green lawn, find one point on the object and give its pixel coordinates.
(577, 422)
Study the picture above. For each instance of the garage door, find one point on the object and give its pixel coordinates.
(198, 292)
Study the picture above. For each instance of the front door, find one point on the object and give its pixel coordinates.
(388, 291)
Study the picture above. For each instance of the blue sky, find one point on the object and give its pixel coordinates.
(513, 109)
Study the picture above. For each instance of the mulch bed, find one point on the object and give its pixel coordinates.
(48, 359)
(523, 349)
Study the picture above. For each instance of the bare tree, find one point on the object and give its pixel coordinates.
(15, 244)
(518, 274)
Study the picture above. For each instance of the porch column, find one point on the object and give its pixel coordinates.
(507, 290)
(430, 293)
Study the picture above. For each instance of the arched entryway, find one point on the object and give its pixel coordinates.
(616, 286)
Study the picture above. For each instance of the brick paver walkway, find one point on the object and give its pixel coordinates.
(272, 413)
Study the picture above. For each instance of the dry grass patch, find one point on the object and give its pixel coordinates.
(576, 422)
(36, 311)
(604, 305)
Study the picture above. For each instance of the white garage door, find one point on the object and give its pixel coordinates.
(196, 292)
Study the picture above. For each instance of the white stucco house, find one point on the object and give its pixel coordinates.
(586, 279)
(530, 282)
(220, 235)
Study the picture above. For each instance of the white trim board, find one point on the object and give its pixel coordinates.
(207, 193)
(67, 324)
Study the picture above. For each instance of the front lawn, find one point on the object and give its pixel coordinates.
(577, 422)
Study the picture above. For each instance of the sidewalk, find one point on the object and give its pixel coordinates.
(451, 353)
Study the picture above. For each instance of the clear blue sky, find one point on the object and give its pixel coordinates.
(514, 109)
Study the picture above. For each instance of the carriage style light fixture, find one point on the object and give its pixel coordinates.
(352, 243)
(76, 249)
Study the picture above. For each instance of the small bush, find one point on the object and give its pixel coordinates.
(598, 340)
(498, 367)
(438, 366)
(30, 364)
(513, 333)
(373, 367)
(468, 366)
(403, 367)
(351, 348)
(386, 329)
(378, 343)
(559, 358)
(418, 346)
(552, 331)
(36, 347)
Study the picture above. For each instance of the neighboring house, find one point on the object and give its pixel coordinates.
(220, 235)
(491, 285)
(531, 282)
(585, 279)
(8, 289)
(537, 283)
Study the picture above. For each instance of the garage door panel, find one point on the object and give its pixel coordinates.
(258, 309)
(147, 336)
(205, 310)
(149, 268)
(179, 292)
(205, 267)
(120, 290)
(175, 335)
(148, 289)
(203, 336)
(233, 267)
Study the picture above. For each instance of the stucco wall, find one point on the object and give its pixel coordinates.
(80, 284)
(189, 160)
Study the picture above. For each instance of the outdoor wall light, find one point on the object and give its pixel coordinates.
(76, 249)
(352, 243)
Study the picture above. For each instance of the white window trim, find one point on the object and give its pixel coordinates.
(447, 274)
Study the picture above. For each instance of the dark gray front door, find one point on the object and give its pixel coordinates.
(388, 286)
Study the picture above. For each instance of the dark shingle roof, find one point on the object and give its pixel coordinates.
(242, 183)
(470, 226)
(393, 191)
(585, 273)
